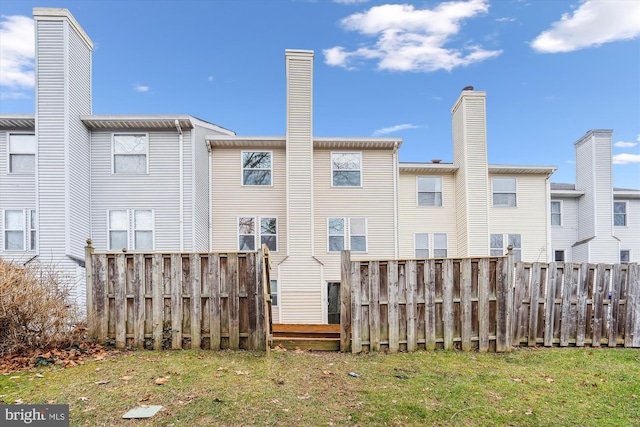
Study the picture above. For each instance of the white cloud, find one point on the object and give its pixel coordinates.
(624, 158)
(350, 1)
(17, 53)
(210, 78)
(396, 128)
(410, 39)
(506, 19)
(623, 144)
(594, 22)
(141, 88)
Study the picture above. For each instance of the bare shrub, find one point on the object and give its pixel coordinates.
(36, 309)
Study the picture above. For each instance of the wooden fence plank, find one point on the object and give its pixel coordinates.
(483, 304)
(356, 310)
(176, 301)
(598, 306)
(550, 302)
(234, 301)
(520, 308)
(534, 305)
(633, 282)
(447, 302)
(121, 302)
(581, 308)
(90, 301)
(100, 297)
(214, 301)
(504, 306)
(614, 305)
(345, 301)
(412, 289)
(374, 306)
(196, 301)
(393, 288)
(430, 305)
(157, 302)
(138, 300)
(465, 303)
(565, 318)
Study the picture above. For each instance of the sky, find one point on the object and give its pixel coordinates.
(552, 69)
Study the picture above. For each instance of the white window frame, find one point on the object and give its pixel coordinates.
(344, 234)
(359, 153)
(242, 168)
(365, 235)
(517, 251)
(257, 232)
(29, 239)
(21, 153)
(625, 214)
(551, 213)
(131, 230)
(114, 154)
(494, 192)
(564, 255)
(445, 249)
(348, 234)
(275, 295)
(628, 251)
(435, 192)
(416, 248)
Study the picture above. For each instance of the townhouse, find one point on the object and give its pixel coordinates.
(178, 183)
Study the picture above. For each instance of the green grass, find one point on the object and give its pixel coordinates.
(546, 387)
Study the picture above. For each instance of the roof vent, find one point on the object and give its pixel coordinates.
(467, 88)
(436, 161)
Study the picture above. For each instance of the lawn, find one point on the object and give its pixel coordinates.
(528, 387)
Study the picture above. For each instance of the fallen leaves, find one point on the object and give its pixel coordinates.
(102, 382)
(161, 380)
(71, 356)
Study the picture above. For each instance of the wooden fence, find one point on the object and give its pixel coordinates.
(488, 304)
(179, 300)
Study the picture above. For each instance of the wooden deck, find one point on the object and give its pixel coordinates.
(306, 337)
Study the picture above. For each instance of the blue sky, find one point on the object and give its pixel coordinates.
(552, 69)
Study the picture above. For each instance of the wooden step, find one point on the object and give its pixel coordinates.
(306, 336)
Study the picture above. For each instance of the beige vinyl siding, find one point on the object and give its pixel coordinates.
(585, 182)
(373, 201)
(564, 236)
(629, 235)
(603, 184)
(529, 218)
(158, 190)
(426, 219)
(201, 202)
(187, 188)
(461, 213)
(79, 151)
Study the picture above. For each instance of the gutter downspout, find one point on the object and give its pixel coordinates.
(395, 199)
(210, 206)
(181, 182)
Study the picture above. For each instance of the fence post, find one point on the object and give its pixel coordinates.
(345, 301)
(90, 308)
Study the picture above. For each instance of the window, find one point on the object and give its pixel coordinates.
(256, 168)
(32, 230)
(421, 242)
(337, 234)
(247, 236)
(20, 230)
(556, 213)
(625, 256)
(346, 169)
(500, 242)
(130, 153)
(504, 192)
(336, 231)
(558, 256)
(22, 153)
(620, 213)
(429, 191)
(439, 245)
(358, 234)
(274, 293)
(131, 229)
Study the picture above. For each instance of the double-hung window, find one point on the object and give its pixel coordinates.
(131, 229)
(429, 191)
(556, 213)
(338, 234)
(19, 230)
(438, 243)
(22, 153)
(130, 153)
(504, 192)
(620, 213)
(625, 256)
(248, 233)
(256, 167)
(500, 242)
(346, 169)
(274, 293)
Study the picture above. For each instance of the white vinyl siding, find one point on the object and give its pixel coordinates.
(130, 229)
(628, 236)
(504, 192)
(256, 167)
(346, 169)
(429, 191)
(130, 153)
(22, 153)
(556, 213)
(620, 214)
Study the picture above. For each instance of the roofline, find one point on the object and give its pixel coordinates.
(17, 121)
(518, 168)
(566, 193)
(318, 142)
(626, 194)
(415, 167)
